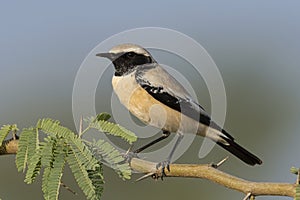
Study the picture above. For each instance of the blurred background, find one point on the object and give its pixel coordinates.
(255, 45)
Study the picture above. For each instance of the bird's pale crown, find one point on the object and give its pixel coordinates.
(124, 48)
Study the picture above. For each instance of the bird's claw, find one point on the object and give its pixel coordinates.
(129, 155)
(164, 165)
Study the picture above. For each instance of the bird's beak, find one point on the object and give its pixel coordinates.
(110, 56)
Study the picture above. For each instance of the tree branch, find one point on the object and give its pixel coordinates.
(210, 173)
(207, 171)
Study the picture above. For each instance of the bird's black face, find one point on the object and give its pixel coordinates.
(126, 62)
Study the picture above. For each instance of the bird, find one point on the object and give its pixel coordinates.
(140, 82)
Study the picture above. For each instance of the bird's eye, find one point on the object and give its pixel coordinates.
(130, 55)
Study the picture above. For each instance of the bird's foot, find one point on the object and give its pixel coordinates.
(129, 155)
(163, 165)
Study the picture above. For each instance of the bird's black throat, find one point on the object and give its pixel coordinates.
(127, 62)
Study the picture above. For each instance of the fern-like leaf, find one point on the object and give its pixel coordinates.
(53, 127)
(45, 182)
(105, 152)
(97, 179)
(28, 144)
(62, 145)
(81, 176)
(47, 149)
(113, 129)
(4, 131)
(103, 117)
(53, 172)
(34, 167)
(297, 195)
(79, 158)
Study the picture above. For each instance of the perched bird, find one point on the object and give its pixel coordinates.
(140, 83)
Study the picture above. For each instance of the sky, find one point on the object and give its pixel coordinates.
(254, 44)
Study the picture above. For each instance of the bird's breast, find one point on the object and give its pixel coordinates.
(149, 110)
(124, 87)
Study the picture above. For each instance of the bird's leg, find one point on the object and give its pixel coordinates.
(129, 155)
(164, 136)
(166, 164)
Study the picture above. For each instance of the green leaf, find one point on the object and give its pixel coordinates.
(105, 152)
(45, 182)
(103, 117)
(14, 128)
(47, 150)
(53, 127)
(97, 179)
(28, 144)
(63, 146)
(297, 196)
(54, 170)
(114, 129)
(294, 170)
(79, 158)
(34, 167)
(81, 176)
(4, 131)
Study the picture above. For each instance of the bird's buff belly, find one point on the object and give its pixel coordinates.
(151, 111)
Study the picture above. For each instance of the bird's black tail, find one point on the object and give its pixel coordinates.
(239, 152)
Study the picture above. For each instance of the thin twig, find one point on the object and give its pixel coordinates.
(145, 176)
(80, 126)
(220, 163)
(14, 135)
(247, 196)
(68, 188)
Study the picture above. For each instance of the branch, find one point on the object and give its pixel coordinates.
(208, 171)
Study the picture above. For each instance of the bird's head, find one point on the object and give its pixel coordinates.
(126, 57)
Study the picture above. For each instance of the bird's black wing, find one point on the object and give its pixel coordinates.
(167, 90)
